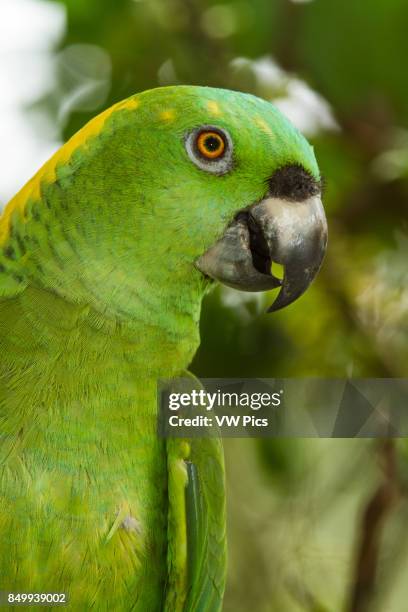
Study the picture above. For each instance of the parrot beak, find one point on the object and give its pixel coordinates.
(296, 235)
(290, 233)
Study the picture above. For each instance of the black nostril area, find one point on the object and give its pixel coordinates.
(293, 183)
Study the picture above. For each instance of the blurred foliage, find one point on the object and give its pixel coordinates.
(294, 506)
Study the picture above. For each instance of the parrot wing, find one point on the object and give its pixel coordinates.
(206, 542)
(197, 525)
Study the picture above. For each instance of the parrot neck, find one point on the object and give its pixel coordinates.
(148, 345)
(151, 316)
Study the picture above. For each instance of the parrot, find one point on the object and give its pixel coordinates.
(105, 257)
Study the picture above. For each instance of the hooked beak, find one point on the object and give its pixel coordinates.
(290, 233)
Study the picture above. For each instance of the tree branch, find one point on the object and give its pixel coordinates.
(372, 526)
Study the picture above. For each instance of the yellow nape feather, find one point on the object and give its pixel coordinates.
(47, 173)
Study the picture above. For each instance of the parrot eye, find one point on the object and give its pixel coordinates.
(210, 144)
(210, 148)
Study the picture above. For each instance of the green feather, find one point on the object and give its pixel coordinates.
(99, 297)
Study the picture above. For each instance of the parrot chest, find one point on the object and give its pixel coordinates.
(84, 484)
(83, 475)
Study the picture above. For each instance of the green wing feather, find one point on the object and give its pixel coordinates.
(205, 513)
(197, 524)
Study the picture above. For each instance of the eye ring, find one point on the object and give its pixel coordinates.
(210, 144)
(210, 148)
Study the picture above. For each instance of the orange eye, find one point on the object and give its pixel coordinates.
(211, 145)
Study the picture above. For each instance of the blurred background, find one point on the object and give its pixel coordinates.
(317, 525)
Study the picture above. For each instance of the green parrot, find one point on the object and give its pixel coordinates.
(105, 256)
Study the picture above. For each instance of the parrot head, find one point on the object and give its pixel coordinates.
(237, 189)
(167, 192)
